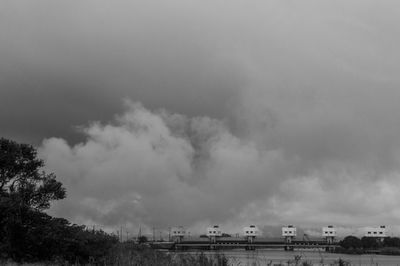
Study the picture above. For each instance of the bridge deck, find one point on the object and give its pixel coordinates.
(257, 243)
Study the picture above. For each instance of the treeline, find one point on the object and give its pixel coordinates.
(27, 233)
(355, 245)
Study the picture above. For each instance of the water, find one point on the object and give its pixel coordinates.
(271, 257)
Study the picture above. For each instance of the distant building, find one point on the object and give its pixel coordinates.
(376, 231)
(251, 231)
(289, 233)
(178, 233)
(214, 231)
(329, 233)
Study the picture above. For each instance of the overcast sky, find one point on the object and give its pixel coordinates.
(163, 113)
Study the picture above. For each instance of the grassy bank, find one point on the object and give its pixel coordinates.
(393, 251)
(131, 254)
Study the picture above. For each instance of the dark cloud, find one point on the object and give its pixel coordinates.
(139, 164)
(253, 110)
(68, 63)
(157, 168)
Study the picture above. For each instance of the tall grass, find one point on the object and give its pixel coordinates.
(130, 254)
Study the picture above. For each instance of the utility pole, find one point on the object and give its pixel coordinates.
(154, 234)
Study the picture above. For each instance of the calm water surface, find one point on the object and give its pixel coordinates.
(271, 257)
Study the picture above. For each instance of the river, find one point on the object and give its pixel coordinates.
(276, 257)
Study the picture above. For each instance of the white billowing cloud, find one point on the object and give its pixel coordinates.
(159, 169)
(154, 168)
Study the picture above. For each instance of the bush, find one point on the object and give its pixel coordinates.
(138, 255)
(371, 243)
(390, 251)
(391, 242)
(351, 242)
(355, 251)
(341, 262)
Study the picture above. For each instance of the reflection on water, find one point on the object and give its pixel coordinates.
(274, 257)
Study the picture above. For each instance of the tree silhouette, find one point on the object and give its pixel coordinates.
(25, 190)
(351, 242)
(26, 232)
(22, 182)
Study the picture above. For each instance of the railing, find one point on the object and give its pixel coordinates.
(259, 243)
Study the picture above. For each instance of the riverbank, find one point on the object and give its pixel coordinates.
(305, 257)
(392, 251)
(141, 255)
(132, 254)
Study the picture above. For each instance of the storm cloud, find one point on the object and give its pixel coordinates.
(266, 112)
(160, 169)
(154, 168)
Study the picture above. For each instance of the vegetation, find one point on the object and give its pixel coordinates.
(26, 232)
(355, 245)
(142, 239)
(390, 251)
(129, 253)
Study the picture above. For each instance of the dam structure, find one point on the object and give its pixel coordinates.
(251, 239)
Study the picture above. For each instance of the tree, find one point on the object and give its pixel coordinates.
(371, 242)
(21, 180)
(26, 232)
(142, 239)
(25, 191)
(351, 242)
(391, 242)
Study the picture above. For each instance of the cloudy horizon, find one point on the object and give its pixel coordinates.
(195, 113)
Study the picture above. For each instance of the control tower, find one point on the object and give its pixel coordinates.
(178, 233)
(213, 232)
(377, 232)
(289, 233)
(251, 232)
(329, 233)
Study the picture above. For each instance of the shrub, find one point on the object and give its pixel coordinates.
(390, 251)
